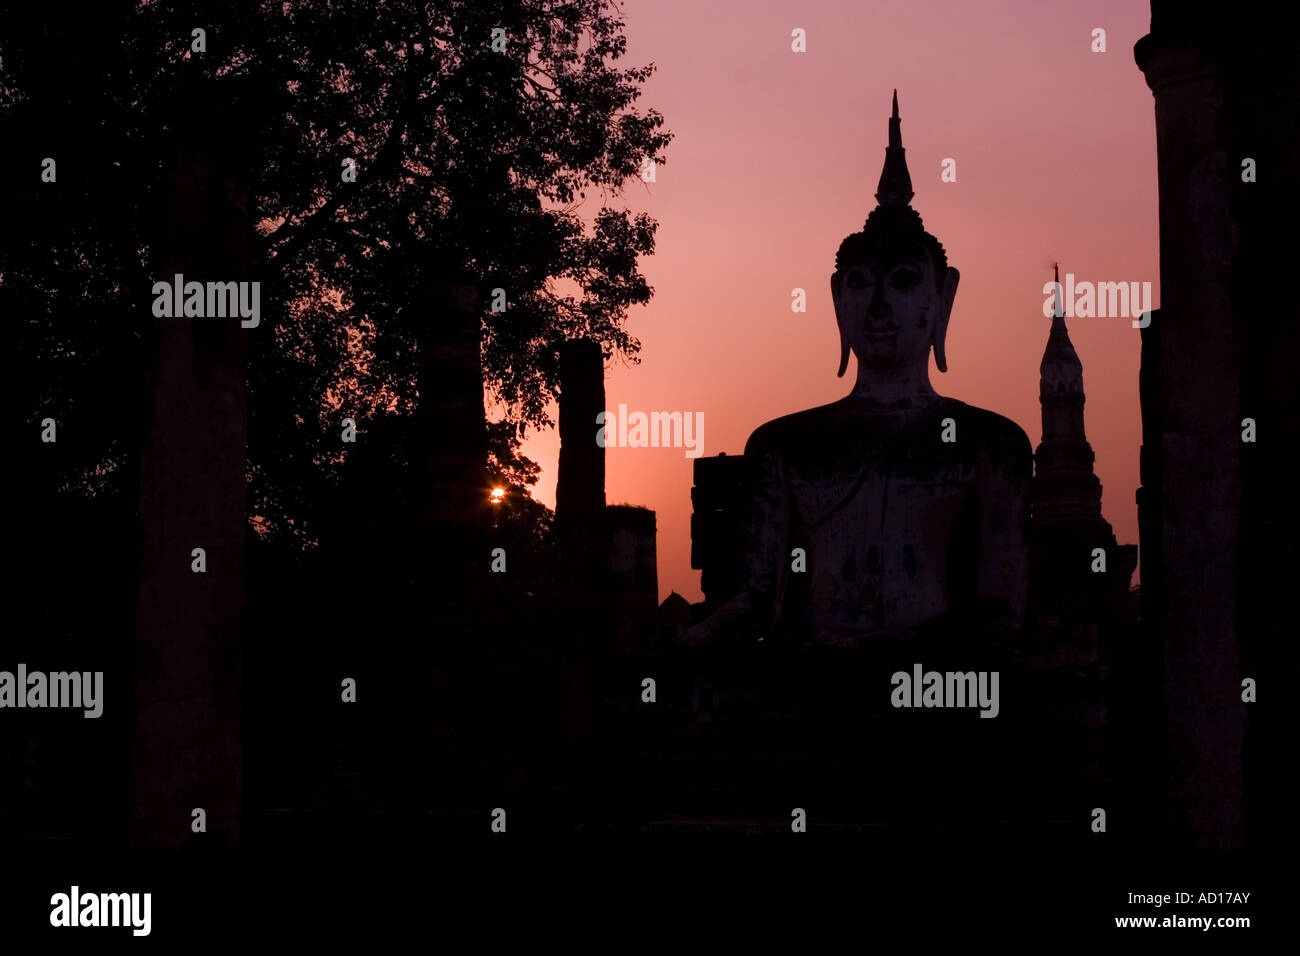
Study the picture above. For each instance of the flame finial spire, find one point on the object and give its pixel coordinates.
(1058, 312)
(895, 187)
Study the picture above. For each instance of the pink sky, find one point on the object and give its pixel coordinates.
(776, 159)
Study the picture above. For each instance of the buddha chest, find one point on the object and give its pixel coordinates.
(890, 530)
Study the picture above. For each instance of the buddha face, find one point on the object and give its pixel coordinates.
(890, 309)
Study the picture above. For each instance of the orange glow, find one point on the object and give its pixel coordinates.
(776, 160)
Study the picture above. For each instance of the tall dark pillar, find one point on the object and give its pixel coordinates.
(451, 420)
(583, 538)
(580, 487)
(187, 735)
(1200, 438)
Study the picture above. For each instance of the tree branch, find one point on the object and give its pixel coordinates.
(282, 246)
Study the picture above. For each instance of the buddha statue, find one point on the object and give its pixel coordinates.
(893, 514)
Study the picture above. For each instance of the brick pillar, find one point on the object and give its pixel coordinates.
(580, 486)
(187, 724)
(585, 624)
(1200, 445)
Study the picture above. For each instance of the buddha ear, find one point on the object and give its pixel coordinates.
(844, 340)
(947, 295)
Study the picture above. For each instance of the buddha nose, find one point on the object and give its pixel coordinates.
(879, 308)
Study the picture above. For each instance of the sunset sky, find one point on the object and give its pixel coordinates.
(776, 159)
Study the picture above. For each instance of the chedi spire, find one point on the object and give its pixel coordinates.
(1065, 487)
(1061, 372)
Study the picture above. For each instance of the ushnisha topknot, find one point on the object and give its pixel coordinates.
(893, 224)
(891, 228)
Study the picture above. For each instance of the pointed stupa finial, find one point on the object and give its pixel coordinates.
(1058, 311)
(895, 187)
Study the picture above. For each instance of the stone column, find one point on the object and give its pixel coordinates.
(580, 485)
(720, 506)
(187, 724)
(584, 626)
(1200, 445)
(633, 579)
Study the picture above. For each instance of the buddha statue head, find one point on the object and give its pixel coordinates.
(893, 288)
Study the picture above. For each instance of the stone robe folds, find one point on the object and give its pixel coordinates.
(903, 532)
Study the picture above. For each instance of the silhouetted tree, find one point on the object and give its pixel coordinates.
(479, 166)
(473, 163)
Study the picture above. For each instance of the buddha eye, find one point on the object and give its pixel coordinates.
(857, 280)
(904, 278)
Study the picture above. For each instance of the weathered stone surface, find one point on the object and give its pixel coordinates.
(1200, 445)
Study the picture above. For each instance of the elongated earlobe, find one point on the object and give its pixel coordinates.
(948, 294)
(844, 342)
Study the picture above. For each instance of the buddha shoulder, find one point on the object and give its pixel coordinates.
(1003, 440)
(797, 431)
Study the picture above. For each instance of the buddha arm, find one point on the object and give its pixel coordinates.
(976, 632)
(1002, 484)
(767, 537)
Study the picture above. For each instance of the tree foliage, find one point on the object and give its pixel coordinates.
(493, 167)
